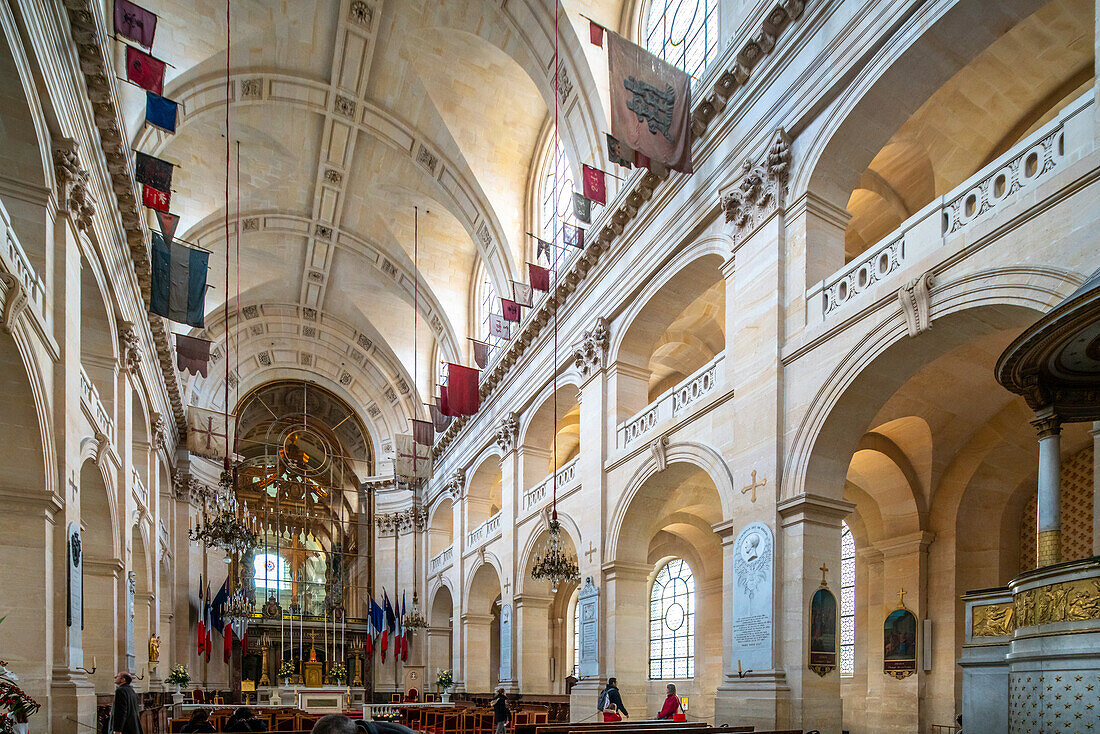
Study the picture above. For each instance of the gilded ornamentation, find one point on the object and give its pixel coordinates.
(1068, 601)
(993, 620)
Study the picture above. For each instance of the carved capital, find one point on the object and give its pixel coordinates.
(102, 444)
(760, 189)
(915, 298)
(589, 353)
(456, 483)
(131, 347)
(506, 432)
(16, 298)
(1047, 424)
(73, 193)
(659, 447)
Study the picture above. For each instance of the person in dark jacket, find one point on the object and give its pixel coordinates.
(501, 715)
(199, 723)
(243, 720)
(126, 707)
(612, 702)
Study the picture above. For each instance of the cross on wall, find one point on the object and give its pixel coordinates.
(752, 487)
(591, 550)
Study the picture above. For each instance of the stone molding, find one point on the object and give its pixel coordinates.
(915, 298)
(626, 206)
(456, 482)
(98, 74)
(72, 182)
(590, 353)
(16, 299)
(507, 431)
(130, 342)
(160, 431)
(761, 189)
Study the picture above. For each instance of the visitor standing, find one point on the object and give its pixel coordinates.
(126, 707)
(500, 712)
(610, 702)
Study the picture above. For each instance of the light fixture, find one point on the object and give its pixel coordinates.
(414, 620)
(227, 526)
(552, 563)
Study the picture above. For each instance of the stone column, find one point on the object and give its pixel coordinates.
(1048, 531)
(626, 633)
(475, 653)
(532, 652)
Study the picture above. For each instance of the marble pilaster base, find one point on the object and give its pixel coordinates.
(761, 698)
(583, 698)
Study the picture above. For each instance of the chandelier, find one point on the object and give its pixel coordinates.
(238, 608)
(227, 527)
(552, 563)
(414, 620)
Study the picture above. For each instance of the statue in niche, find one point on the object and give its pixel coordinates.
(154, 649)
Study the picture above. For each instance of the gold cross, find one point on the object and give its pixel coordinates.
(588, 553)
(824, 569)
(754, 485)
(901, 597)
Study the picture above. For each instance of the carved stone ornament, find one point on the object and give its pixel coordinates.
(506, 432)
(915, 298)
(761, 189)
(131, 347)
(456, 483)
(73, 194)
(16, 298)
(160, 431)
(588, 355)
(102, 444)
(387, 523)
(659, 447)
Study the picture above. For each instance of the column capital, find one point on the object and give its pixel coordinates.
(1047, 423)
(506, 432)
(590, 353)
(813, 508)
(626, 569)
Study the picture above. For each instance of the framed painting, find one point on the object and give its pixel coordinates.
(899, 643)
(823, 632)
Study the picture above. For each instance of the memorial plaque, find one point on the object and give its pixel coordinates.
(506, 642)
(753, 563)
(589, 617)
(74, 616)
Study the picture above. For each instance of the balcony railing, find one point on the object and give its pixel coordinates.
(442, 560)
(15, 262)
(140, 492)
(483, 532)
(93, 407)
(672, 403)
(567, 477)
(983, 195)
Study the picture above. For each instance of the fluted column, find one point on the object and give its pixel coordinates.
(1048, 530)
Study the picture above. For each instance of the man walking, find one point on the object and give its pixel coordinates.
(500, 712)
(125, 708)
(611, 702)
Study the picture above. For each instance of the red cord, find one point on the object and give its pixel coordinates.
(554, 295)
(225, 309)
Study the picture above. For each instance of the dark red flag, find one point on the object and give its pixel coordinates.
(462, 385)
(423, 432)
(595, 33)
(539, 277)
(154, 199)
(135, 22)
(509, 309)
(168, 223)
(595, 187)
(440, 419)
(572, 236)
(144, 70)
(192, 354)
(445, 403)
(481, 353)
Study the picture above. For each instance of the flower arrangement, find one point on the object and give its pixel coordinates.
(15, 705)
(178, 676)
(286, 670)
(446, 680)
(338, 671)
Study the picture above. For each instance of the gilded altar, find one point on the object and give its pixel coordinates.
(313, 673)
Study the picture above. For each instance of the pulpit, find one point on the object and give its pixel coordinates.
(313, 673)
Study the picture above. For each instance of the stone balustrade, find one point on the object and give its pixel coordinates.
(983, 195)
(138, 486)
(483, 533)
(93, 407)
(442, 560)
(567, 477)
(15, 262)
(672, 404)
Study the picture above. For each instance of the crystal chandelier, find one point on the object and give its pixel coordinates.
(227, 527)
(414, 620)
(238, 608)
(552, 563)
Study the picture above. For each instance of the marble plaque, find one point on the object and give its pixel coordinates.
(589, 617)
(753, 617)
(74, 616)
(506, 642)
(131, 590)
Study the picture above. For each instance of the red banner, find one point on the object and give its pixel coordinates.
(462, 386)
(595, 187)
(154, 199)
(144, 70)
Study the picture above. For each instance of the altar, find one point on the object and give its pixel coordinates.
(324, 700)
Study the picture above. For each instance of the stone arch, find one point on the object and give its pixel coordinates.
(535, 536)
(103, 577)
(441, 526)
(484, 487)
(538, 431)
(440, 629)
(143, 566)
(141, 444)
(99, 347)
(481, 624)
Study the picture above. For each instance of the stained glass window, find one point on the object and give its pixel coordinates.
(672, 622)
(488, 304)
(556, 205)
(576, 637)
(272, 571)
(683, 33)
(847, 602)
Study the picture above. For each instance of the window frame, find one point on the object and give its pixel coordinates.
(682, 637)
(847, 602)
(710, 28)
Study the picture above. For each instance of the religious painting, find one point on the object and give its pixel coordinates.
(899, 644)
(823, 632)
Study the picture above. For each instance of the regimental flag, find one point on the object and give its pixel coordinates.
(595, 33)
(445, 403)
(375, 620)
(387, 631)
(207, 433)
(404, 632)
(572, 236)
(543, 249)
(582, 208)
(642, 161)
(618, 153)
(154, 199)
(153, 172)
(439, 419)
(192, 354)
(135, 22)
(462, 389)
(161, 112)
(168, 223)
(539, 277)
(178, 289)
(481, 353)
(208, 612)
(521, 294)
(650, 103)
(202, 621)
(411, 460)
(144, 70)
(498, 327)
(595, 186)
(509, 309)
(423, 432)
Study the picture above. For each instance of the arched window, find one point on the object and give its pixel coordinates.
(576, 637)
(272, 572)
(683, 32)
(672, 622)
(487, 304)
(556, 204)
(847, 602)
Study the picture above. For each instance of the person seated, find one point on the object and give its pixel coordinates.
(672, 703)
(199, 723)
(243, 720)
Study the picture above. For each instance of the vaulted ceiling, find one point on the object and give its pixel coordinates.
(344, 115)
